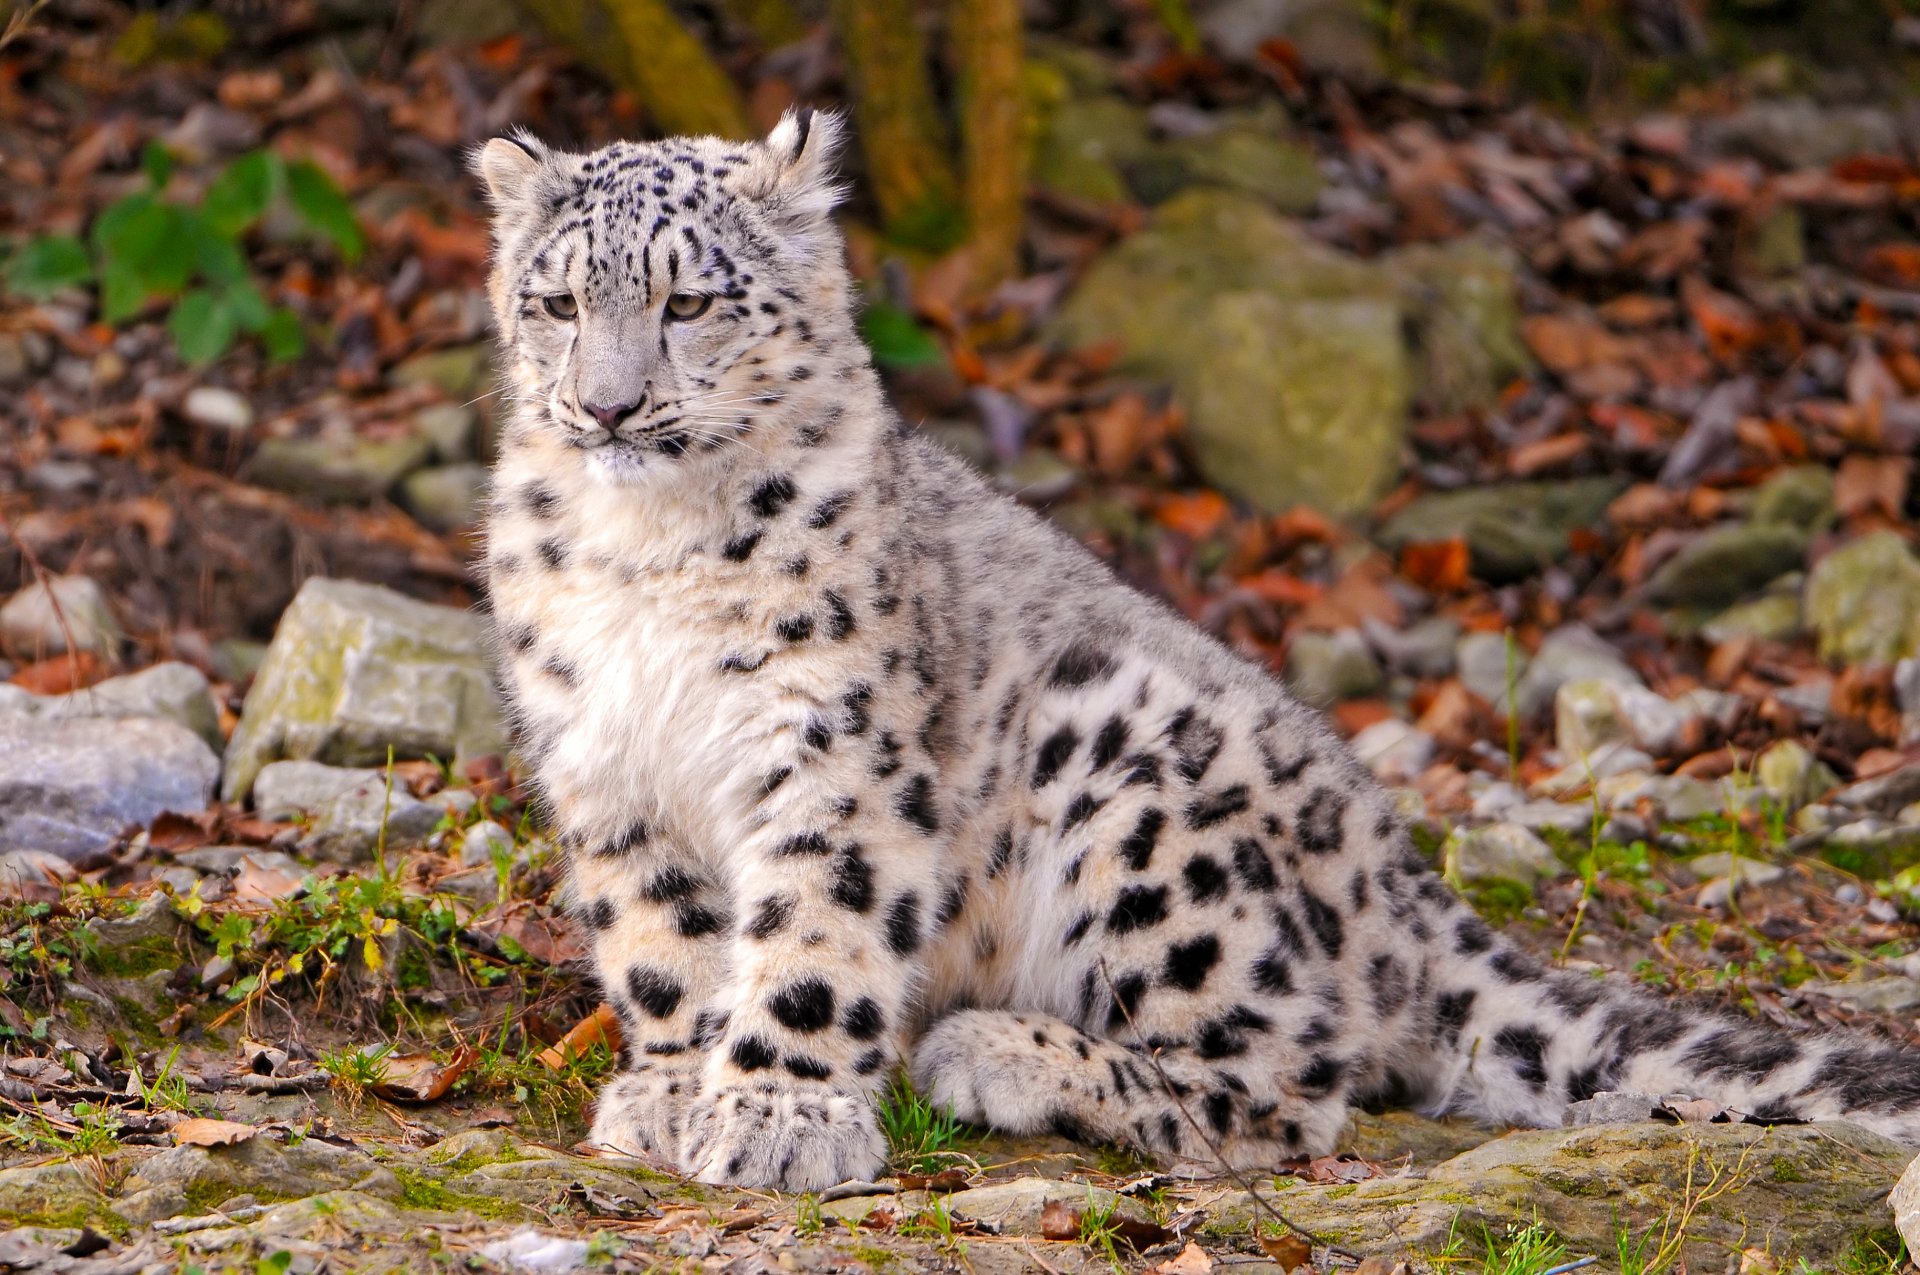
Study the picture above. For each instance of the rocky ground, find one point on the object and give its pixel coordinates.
(1568, 466)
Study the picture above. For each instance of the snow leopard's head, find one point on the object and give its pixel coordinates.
(653, 298)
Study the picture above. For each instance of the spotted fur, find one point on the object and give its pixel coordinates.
(860, 763)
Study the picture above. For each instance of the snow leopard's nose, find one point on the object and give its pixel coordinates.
(609, 416)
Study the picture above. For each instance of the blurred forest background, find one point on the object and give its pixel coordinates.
(1533, 384)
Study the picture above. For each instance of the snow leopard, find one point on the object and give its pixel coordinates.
(862, 766)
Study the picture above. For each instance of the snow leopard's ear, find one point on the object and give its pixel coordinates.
(508, 165)
(794, 170)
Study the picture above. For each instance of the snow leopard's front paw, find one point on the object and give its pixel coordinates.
(792, 1137)
(644, 1112)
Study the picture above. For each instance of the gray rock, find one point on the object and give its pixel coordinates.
(344, 809)
(1585, 719)
(24, 872)
(1009, 1208)
(1323, 668)
(215, 407)
(1817, 1190)
(446, 497)
(73, 786)
(1727, 874)
(1906, 1206)
(1086, 143)
(1884, 793)
(1512, 529)
(1288, 356)
(1863, 599)
(1610, 1108)
(485, 843)
(338, 467)
(1498, 852)
(452, 428)
(355, 669)
(1249, 154)
(172, 691)
(1789, 771)
(1726, 564)
(162, 1185)
(1569, 654)
(458, 371)
(1488, 662)
(1394, 750)
(1891, 994)
(1798, 497)
(1462, 299)
(1772, 618)
(1800, 133)
(44, 618)
(1540, 816)
(58, 1194)
(1336, 36)
(1423, 649)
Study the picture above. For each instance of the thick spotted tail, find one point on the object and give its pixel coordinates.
(1515, 1043)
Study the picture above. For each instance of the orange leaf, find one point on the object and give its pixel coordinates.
(422, 1078)
(601, 1027)
(1439, 566)
(1197, 514)
(198, 1131)
(1287, 1251)
(1282, 587)
(62, 673)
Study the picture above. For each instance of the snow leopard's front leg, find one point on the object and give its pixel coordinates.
(836, 894)
(658, 925)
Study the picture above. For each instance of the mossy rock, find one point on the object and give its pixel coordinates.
(56, 1195)
(1802, 1191)
(355, 670)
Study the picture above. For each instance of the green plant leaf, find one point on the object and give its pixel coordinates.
(216, 256)
(123, 293)
(47, 263)
(896, 339)
(282, 335)
(242, 192)
(248, 306)
(148, 240)
(325, 209)
(203, 327)
(157, 162)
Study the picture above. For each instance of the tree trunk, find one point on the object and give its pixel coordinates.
(771, 22)
(986, 40)
(643, 46)
(901, 132)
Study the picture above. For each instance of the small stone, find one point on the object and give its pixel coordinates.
(1610, 1108)
(1568, 654)
(1801, 133)
(446, 497)
(73, 787)
(1863, 599)
(1892, 994)
(1323, 668)
(485, 844)
(1801, 496)
(1462, 297)
(1422, 649)
(1540, 816)
(1585, 719)
(41, 619)
(1512, 529)
(338, 467)
(1393, 750)
(348, 811)
(172, 691)
(1789, 771)
(1774, 617)
(1724, 565)
(457, 371)
(28, 873)
(1604, 762)
(1037, 477)
(530, 1250)
(1725, 874)
(1660, 727)
(1487, 662)
(217, 408)
(1496, 799)
(1501, 851)
(355, 669)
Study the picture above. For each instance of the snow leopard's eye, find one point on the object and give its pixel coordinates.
(682, 306)
(562, 306)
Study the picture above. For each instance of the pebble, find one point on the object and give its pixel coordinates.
(531, 1250)
(1394, 750)
(1323, 668)
(38, 621)
(73, 786)
(345, 808)
(485, 843)
(1569, 654)
(1501, 851)
(217, 408)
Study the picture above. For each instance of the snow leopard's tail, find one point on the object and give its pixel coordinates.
(1514, 1042)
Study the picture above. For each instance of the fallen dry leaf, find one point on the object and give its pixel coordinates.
(601, 1027)
(199, 1131)
(1191, 1260)
(1287, 1251)
(421, 1077)
(945, 1180)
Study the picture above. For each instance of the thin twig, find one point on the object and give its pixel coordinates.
(1166, 1082)
(1574, 1265)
